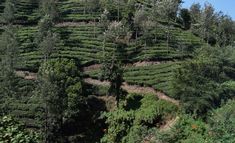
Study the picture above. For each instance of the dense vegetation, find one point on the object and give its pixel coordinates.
(116, 71)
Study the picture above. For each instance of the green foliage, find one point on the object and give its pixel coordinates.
(11, 131)
(8, 15)
(9, 59)
(131, 121)
(113, 72)
(49, 7)
(44, 26)
(198, 83)
(186, 130)
(194, 85)
(152, 110)
(61, 88)
(185, 18)
(222, 122)
(90, 5)
(48, 45)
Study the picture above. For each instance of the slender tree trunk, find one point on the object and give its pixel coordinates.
(118, 10)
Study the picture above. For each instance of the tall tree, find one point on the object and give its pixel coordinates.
(199, 84)
(9, 60)
(167, 10)
(46, 39)
(225, 31)
(195, 12)
(9, 51)
(9, 11)
(185, 18)
(49, 7)
(207, 22)
(112, 63)
(61, 87)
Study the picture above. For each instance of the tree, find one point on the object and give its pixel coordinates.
(9, 60)
(9, 52)
(135, 117)
(112, 61)
(167, 10)
(194, 85)
(104, 21)
(225, 30)
(46, 39)
(9, 12)
(199, 84)
(48, 45)
(49, 7)
(185, 18)
(195, 12)
(112, 71)
(61, 87)
(140, 18)
(222, 123)
(90, 5)
(115, 8)
(207, 23)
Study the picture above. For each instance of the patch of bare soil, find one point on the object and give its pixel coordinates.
(92, 67)
(146, 63)
(27, 75)
(73, 24)
(137, 64)
(135, 89)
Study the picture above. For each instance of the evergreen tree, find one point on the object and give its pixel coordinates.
(8, 15)
(222, 123)
(61, 87)
(49, 7)
(46, 39)
(207, 23)
(9, 52)
(185, 18)
(195, 12)
(113, 60)
(200, 83)
(9, 59)
(167, 10)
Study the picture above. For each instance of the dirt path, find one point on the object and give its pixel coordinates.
(169, 124)
(27, 75)
(129, 88)
(135, 89)
(73, 24)
(137, 64)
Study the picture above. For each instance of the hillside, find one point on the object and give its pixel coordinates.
(113, 70)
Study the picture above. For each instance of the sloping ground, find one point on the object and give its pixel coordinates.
(81, 37)
(129, 88)
(169, 124)
(135, 89)
(157, 75)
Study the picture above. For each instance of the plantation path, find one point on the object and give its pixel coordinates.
(151, 138)
(137, 64)
(135, 89)
(27, 75)
(169, 124)
(129, 88)
(74, 24)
